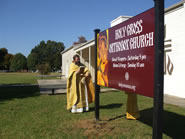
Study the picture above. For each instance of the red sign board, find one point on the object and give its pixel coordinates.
(125, 55)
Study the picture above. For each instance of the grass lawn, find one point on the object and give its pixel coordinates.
(24, 113)
(29, 115)
(22, 78)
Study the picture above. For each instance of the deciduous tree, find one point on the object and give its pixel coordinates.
(18, 63)
(7, 61)
(81, 39)
(3, 52)
(49, 52)
(32, 61)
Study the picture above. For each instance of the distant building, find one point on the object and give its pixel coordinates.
(67, 57)
(174, 60)
(119, 20)
(86, 53)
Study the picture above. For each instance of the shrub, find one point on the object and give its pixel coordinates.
(44, 69)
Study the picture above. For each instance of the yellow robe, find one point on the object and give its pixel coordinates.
(76, 88)
(132, 112)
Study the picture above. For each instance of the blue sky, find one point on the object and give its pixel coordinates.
(24, 23)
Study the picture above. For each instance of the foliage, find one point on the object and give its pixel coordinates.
(81, 39)
(18, 63)
(5, 59)
(32, 61)
(47, 52)
(44, 69)
(44, 52)
(3, 52)
(57, 61)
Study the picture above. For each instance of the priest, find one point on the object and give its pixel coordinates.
(80, 89)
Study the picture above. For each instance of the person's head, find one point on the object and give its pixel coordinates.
(76, 59)
(103, 51)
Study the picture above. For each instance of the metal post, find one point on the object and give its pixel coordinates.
(159, 69)
(97, 87)
(53, 90)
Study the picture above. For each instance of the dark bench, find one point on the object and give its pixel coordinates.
(53, 87)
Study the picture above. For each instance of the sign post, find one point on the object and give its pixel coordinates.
(159, 69)
(97, 87)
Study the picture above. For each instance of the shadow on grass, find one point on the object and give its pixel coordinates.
(117, 117)
(173, 123)
(109, 91)
(17, 84)
(8, 92)
(56, 94)
(109, 106)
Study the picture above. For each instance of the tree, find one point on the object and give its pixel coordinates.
(7, 61)
(81, 39)
(58, 61)
(3, 52)
(49, 52)
(18, 63)
(32, 61)
(39, 50)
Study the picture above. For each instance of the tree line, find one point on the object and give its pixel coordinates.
(44, 55)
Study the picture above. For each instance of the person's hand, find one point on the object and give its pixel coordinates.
(87, 74)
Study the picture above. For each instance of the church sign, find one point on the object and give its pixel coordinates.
(125, 55)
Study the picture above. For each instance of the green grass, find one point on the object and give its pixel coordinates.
(29, 115)
(24, 113)
(22, 78)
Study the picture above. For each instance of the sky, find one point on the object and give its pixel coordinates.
(24, 23)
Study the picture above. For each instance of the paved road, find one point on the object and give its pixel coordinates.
(168, 99)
